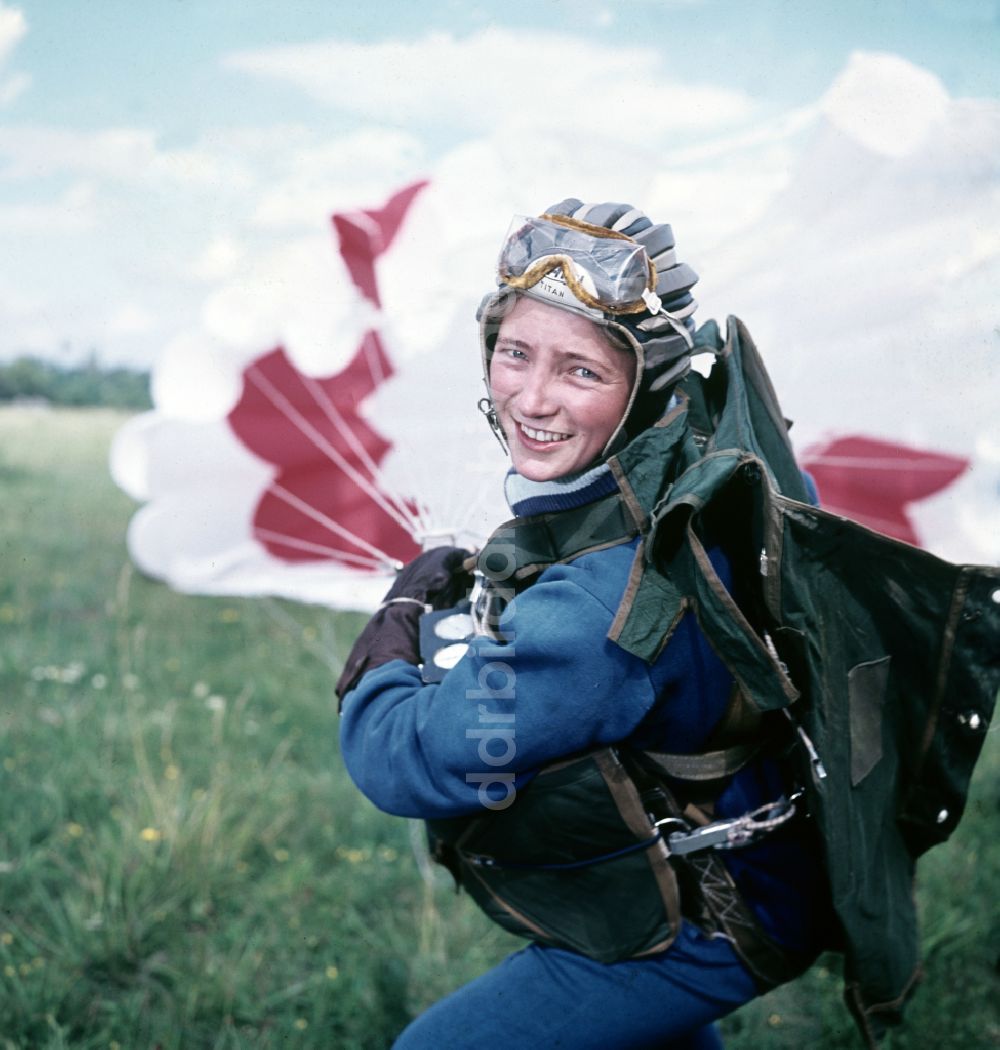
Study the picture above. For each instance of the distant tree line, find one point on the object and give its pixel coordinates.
(32, 378)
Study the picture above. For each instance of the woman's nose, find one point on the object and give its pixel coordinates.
(536, 395)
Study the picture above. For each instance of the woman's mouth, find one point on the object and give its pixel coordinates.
(541, 437)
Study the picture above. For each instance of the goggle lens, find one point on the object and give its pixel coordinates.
(607, 271)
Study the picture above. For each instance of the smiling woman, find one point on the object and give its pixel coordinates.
(560, 389)
(534, 756)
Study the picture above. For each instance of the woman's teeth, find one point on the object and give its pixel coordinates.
(543, 435)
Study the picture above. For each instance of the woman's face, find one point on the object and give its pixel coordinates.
(560, 389)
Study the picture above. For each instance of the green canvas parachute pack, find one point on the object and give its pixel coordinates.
(884, 659)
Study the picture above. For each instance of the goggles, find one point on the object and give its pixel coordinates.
(603, 269)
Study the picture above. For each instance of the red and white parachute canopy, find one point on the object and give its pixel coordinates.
(307, 469)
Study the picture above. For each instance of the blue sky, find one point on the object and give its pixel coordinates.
(149, 149)
(159, 62)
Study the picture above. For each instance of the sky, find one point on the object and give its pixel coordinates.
(153, 151)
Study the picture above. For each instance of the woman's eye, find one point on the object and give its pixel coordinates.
(585, 373)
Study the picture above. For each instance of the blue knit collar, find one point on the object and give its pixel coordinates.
(527, 497)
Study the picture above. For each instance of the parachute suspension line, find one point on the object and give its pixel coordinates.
(378, 376)
(465, 524)
(294, 416)
(359, 560)
(383, 559)
(375, 369)
(424, 476)
(332, 413)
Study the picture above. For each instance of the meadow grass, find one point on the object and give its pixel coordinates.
(184, 862)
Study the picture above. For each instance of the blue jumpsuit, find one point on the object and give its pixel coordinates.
(557, 687)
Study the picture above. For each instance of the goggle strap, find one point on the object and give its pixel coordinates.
(651, 324)
(652, 301)
(679, 327)
(586, 227)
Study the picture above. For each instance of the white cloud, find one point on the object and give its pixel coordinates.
(11, 87)
(119, 154)
(73, 212)
(218, 260)
(480, 81)
(884, 102)
(355, 169)
(130, 319)
(13, 26)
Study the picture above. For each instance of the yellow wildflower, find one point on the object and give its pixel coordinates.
(151, 835)
(332, 973)
(351, 855)
(74, 830)
(301, 1024)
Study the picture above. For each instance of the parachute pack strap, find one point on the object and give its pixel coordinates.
(751, 418)
(708, 765)
(708, 338)
(649, 612)
(675, 574)
(646, 468)
(523, 547)
(758, 671)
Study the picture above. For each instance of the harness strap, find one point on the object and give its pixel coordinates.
(709, 765)
(724, 910)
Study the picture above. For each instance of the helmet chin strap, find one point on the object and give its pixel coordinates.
(488, 409)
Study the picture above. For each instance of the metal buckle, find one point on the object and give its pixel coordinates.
(731, 833)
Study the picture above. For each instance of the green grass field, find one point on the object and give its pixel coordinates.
(184, 861)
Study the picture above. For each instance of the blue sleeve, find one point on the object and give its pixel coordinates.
(812, 492)
(505, 710)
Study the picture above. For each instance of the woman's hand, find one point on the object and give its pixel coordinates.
(436, 579)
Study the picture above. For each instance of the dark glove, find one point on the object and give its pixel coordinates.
(435, 579)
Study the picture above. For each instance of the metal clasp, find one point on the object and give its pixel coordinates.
(731, 833)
